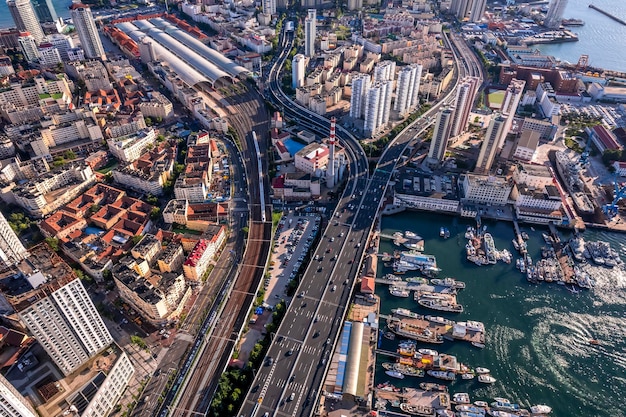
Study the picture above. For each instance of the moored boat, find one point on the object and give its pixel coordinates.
(440, 305)
(417, 410)
(430, 386)
(439, 320)
(541, 409)
(480, 370)
(404, 312)
(429, 352)
(394, 374)
(467, 376)
(466, 408)
(481, 404)
(486, 379)
(446, 376)
(448, 282)
(399, 292)
(461, 398)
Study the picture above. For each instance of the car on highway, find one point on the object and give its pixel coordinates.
(334, 287)
(289, 352)
(301, 294)
(292, 396)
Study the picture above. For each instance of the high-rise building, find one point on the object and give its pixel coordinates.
(87, 31)
(407, 98)
(298, 66)
(28, 45)
(63, 319)
(44, 9)
(510, 102)
(309, 32)
(491, 142)
(25, 18)
(385, 71)
(465, 95)
(269, 7)
(477, 10)
(12, 403)
(355, 4)
(555, 14)
(441, 135)
(360, 86)
(471, 10)
(377, 107)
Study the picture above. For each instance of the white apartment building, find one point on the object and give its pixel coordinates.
(28, 45)
(129, 148)
(25, 18)
(87, 31)
(526, 145)
(21, 96)
(377, 107)
(48, 55)
(510, 102)
(546, 198)
(269, 7)
(203, 253)
(483, 189)
(385, 71)
(151, 183)
(12, 403)
(298, 66)
(194, 190)
(496, 132)
(463, 103)
(67, 325)
(441, 135)
(533, 176)
(62, 43)
(407, 98)
(310, 23)
(156, 106)
(11, 248)
(360, 87)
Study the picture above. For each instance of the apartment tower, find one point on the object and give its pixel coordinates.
(555, 14)
(510, 102)
(87, 31)
(385, 71)
(377, 107)
(407, 98)
(25, 18)
(269, 7)
(11, 249)
(309, 32)
(12, 403)
(465, 95)
(44, 9)
(360, 86)
(441, 135)
(491, 142)
(471, 10)
(298, 66)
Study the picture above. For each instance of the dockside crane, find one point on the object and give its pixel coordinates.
(619, 192)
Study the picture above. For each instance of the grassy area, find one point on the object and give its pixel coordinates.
(573, 145)
(496, 98)
(111, 165)
(276, 216)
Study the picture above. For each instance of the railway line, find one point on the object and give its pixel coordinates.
(194, 388)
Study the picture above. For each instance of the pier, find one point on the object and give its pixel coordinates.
(607, 14)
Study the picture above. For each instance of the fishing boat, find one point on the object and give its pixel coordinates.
(461, 398)
(490, 248)
(404, 312)
(399, 292)
(486, 379)
(547, 238)
(541, 409)
(394, 374)
(414, 332)
(505, 406)
(448, 282)
(446, 376)
(500, 413)
(515, 244)
(480, 370)
(441, 305)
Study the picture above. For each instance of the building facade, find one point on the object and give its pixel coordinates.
(441, 135)
(11, 248)
(87, 31)
(25, 18)
(463, 103)
(12, 403)
(377, 107)
(407, 98)
(490, 190)
(298, 67)
(496, 132)
(310, 23)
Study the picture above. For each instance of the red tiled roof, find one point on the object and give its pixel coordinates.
(605, 137)
(367, 285)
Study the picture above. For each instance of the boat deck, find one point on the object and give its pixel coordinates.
(416, 397)
(446, 330)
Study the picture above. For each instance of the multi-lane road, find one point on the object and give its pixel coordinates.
(289, 382)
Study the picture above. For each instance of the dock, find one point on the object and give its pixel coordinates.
(607, 14)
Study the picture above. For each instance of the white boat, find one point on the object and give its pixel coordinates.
(481, 404)
(490, 248)
(430, 352)
(469, 410)
(480, 370)
(394, 374)
(404, 312)
(447, 376)
(448, 282)
(541, 409)
(417, 280)
(442, 231)
(399, 292)
(440, 305)
(478, 345)
(467, 376)
(439, 320)
(486, 379)
(461, 398)
(500, 413)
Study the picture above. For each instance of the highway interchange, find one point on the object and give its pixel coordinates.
(289, 382)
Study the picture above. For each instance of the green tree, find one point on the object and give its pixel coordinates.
(155, 213)
(69, 155)
(151, 199)
(136, 239)
(148, 121)
(53, 243)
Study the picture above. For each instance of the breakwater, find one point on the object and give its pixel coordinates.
(604, 12)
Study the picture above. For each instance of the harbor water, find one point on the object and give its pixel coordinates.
(538, 336)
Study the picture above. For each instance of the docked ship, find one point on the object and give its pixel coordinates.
(440, 305)
(446, 376)
(417, 410)
(413, 332)
(415, 261)
(569, 172)
(409, 240)
(572, 22)
(399, 292)
(490, 248)
(404, 312)
(394, 374)
(448, 282)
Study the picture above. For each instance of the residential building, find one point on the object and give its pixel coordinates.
(312, 158)
(172, 257)
(203, 252)
(526, 145)
(87, 31)
(488, 190)
(385, 71)
(25, 18)
(156, 105)
(533, 176)
(12, 403)
(6, 66)
(470, 10)
(492, 141)
(28, 45)
(360, 87)
(310, 23)
(44, 9)
(441, 136)
(545, 128)
(11, 248)
(48, 55)
(130, 147)
(377, 107)
(298, 67)
(555, 14)
(463, 103)
(620, 168)
(510, 102)
(407, 98)
(269, 7)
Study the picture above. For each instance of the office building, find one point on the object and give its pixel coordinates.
(441, 135)
(11, 249)
(309, 33)
(25, 18)
(555, 14)
(360, 86)
(298, 66)
(496, 132)
(269, 7)
(44, 9)
(12, 403)
(377, 107)
(510, 102)
(464, 101)
(87, 31)
(61, 316)
(407, 98)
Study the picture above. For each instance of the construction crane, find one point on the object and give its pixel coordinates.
(620, 191)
